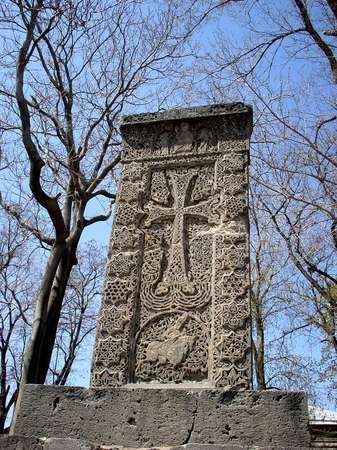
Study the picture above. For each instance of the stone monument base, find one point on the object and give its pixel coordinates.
(145, 417)
(23, 443)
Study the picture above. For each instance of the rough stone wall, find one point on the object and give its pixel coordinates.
(176, 298)
(138, 417)
(21, 443)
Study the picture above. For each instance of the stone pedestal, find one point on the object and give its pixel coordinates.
(139, 417)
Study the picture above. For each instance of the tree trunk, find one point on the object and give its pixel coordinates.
(54, 310)
(3, 416)
(3, 393)
(259, 347)
(32, 356)
(259, 355)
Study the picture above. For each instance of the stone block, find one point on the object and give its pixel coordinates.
(271, 418)
(66, 444)
(24, 443)
(20, 443)
(170, 417)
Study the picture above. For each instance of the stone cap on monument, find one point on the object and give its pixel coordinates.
(189, 113)
(185, 130)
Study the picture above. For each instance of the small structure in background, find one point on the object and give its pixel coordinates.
(323, 427)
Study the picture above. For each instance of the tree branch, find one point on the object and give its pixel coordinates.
(317, 38)
(26, 225)
(36, 162)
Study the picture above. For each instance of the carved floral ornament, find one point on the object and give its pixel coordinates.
(179, 138)
(176, 300)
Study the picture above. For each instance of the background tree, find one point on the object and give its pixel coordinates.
(20, 262)
(285, 63)
(277, 323)
(17, 285)
(79, 64)
(79, 313)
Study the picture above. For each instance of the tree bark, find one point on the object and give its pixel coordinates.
(259, 355)
(39, 330)
(32, 356)
(333, 6)
(3, 393)
(54, 310)
(259, 346)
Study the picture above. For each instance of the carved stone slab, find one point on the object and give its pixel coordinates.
(175, 304)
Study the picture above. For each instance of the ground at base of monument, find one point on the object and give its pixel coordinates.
(31, 443)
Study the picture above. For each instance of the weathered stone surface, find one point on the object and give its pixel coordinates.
(20, 443)
(66, 444)
(72, 444)
(277, 417)
(174, 327)
(140, 417)
(185, 113)
(175, 304)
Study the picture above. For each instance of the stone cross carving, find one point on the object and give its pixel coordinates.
(177, 269)
(175, 305)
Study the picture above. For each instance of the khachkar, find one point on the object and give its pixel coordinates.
(176, 298)
(175, 306)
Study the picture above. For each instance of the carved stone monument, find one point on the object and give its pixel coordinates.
(172, 359)
(176, 299)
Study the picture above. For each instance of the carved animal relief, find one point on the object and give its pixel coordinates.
(176, 302)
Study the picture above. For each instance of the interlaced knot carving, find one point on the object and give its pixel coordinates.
(176, 298)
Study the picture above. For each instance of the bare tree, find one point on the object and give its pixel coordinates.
(279, 319)
(79, 63)
(268, 261)
(20, 259)
(285, 63)
(79, 312)
(17, 285)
